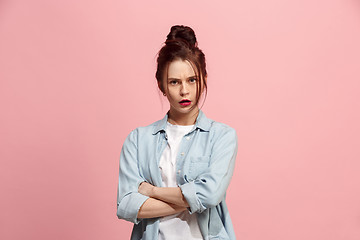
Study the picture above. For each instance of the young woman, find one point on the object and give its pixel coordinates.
(174, 173)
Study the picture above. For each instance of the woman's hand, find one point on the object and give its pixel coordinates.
(171, 195)
(146, 189)
(153, 207)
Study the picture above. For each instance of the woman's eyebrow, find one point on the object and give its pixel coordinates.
(172, 78)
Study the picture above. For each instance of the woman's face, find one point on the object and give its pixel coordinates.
(180, 87)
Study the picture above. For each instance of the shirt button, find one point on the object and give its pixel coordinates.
(187, 138)
(182, 154)
(179, 171)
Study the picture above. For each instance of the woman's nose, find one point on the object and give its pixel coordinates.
(184, 89)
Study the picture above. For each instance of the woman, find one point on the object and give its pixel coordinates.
(174, 173)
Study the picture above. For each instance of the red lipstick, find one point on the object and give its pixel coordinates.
(185, 102)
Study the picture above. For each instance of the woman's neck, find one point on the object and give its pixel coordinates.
(183, 118)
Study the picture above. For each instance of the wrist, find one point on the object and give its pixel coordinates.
(153, 191)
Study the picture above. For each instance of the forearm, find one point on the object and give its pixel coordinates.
(171, 195)
(156, 208)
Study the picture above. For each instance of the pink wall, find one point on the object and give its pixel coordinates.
(77, 76)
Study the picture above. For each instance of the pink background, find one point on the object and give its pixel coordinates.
(77, 76)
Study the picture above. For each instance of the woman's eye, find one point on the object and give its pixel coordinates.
(192, 80)
(173, 82)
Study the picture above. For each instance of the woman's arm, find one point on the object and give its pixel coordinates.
(155, 208)
(129, 200)
(172, 195)
(208, 189)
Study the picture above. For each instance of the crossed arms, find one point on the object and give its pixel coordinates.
(162, 201)
(138, 199)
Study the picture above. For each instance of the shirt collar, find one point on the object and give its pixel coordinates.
(202, 122)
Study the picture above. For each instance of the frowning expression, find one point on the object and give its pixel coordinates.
(181, 87)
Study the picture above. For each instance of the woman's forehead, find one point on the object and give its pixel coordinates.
(180, 69)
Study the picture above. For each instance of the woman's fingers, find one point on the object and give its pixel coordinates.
(146, 189)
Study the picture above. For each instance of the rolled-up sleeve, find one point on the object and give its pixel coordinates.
(209, 188)
(129, 200)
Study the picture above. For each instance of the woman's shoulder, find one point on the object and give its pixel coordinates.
(147, 129)
(209, 124)
(219, 129)
(216, 130)
(219, 126)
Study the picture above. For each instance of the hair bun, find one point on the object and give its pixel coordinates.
(184, 33)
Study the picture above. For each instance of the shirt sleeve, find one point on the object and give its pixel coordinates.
(129, 200)
(209, 188)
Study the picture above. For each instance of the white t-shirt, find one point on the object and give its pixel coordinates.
(182, 225)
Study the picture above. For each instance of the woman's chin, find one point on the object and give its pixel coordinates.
(184, 110)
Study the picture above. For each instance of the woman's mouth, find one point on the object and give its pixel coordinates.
(185, 102)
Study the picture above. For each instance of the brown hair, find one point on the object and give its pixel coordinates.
(181, 44)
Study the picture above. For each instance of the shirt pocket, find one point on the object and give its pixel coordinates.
(198, 165)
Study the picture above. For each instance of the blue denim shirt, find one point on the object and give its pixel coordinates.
(204, 167)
